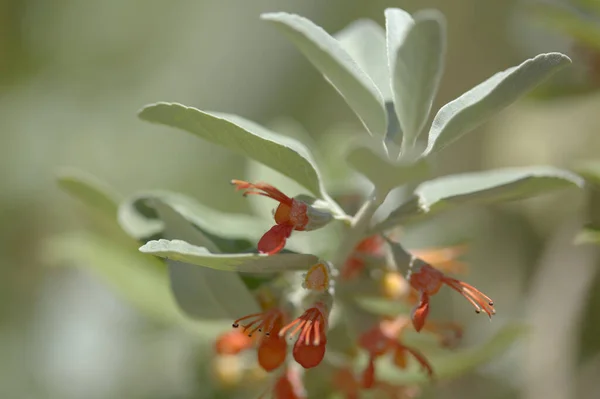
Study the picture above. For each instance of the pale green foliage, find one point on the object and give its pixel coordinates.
(490, 97)
(283, 154)
(481, 187)
(416, 64)
(328, 55)
(251, 263)
(211, 258)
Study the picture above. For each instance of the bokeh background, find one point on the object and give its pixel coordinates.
(74, 73)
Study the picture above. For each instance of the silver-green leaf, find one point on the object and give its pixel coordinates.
(498, 185)
(365, 42)
(490, 97)
(201, 292)
(249, 263)
(330, 58)
(287, 156)
(493, 186)
(416, 69)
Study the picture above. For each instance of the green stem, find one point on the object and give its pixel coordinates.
(358, 227)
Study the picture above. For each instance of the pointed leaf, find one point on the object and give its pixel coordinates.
(244, 137)
(384, 174)
(249, 263)
(330, 58)
(416, 69)
(481, 187)
(496, 185)
(201, 292)
(365, 42)
(485, 100)
(397, 24)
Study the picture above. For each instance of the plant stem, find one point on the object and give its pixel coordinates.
(358, 227)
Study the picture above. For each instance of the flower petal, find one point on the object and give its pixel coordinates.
(274, 240)
(420, 312)
(272, 352)
(368, 377)
(232, 343)
(309, 356)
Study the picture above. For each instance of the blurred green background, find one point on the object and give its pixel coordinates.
(73, 74)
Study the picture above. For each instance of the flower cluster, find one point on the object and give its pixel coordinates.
(266, 332)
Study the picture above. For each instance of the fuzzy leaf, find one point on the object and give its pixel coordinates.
(330, 58)
(244, 137)
(385, 174)
(416, 68)
(249, 263)
(495, 185)
(365, 42)
(481, 187)
(485, 100)
(199, 291)
(397, 24)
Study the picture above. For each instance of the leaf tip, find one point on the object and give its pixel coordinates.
(151, 246)
(431, 14)
(148, 108)
(275, 16)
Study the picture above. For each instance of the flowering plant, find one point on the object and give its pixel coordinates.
(318, 274)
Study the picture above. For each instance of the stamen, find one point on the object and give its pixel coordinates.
(285, 329)
(306, 333)
(317, 339)
(478, 299)
(261, 322)
(263, 189)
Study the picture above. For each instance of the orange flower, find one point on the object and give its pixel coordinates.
(309, 348)
(383, 339)
(428, 281)
(272, 349)
(291, 214)
(232, 343)
(370, 246)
